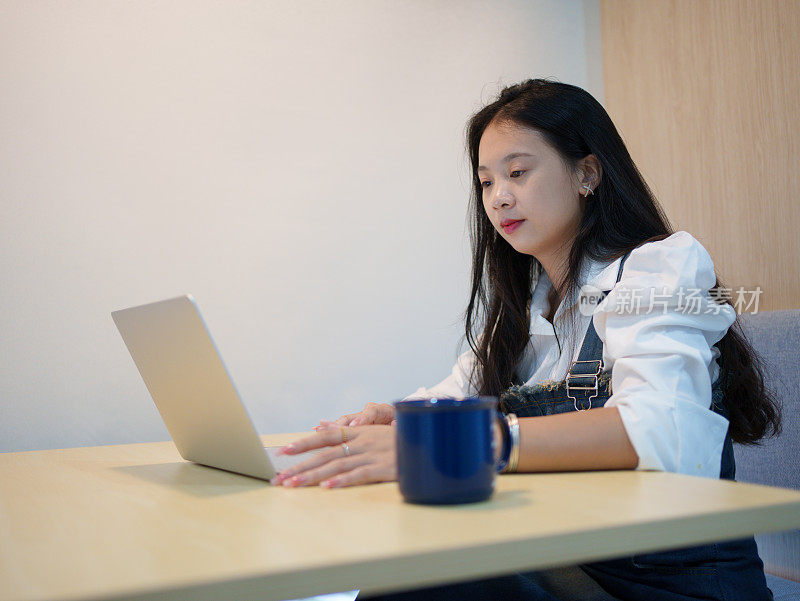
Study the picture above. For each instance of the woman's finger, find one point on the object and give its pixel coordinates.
(366, 474)
(322, 438)
(342, 421)
(328, 470)
(374, 413)
(365, 418)
(345, 419)
(386, 413)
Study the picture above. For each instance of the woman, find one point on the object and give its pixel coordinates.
(561, 215)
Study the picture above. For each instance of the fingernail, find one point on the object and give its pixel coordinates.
(295, 481)
(354, 422)
(289, 448)
(329, 483)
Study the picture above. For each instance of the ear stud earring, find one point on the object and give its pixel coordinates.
(588, 190)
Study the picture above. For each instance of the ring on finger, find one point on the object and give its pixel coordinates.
(344, 435)
(346, 450)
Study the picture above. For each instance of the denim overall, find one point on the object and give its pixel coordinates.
(725, 571)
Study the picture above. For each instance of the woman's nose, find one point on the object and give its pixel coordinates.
(503, 198)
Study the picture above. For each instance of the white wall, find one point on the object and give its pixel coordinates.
(297, 166)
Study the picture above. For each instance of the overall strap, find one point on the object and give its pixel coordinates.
(592, 347)
(583, 375)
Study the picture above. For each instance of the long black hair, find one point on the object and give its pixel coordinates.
(622, 214)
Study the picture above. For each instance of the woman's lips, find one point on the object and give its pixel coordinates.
(512, 226)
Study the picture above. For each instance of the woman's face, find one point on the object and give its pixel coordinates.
(524, 179)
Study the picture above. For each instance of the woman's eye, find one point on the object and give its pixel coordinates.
(518, 171)
(486, 184)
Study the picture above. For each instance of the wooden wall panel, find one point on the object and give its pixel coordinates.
(706, 94)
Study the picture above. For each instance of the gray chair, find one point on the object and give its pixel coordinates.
(775, 335)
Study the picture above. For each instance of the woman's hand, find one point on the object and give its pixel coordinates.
(372, 458)
(373, 413)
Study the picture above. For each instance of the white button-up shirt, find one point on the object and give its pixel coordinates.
(657, 325)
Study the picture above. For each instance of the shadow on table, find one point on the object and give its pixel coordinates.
(194, 479)
(505, 499)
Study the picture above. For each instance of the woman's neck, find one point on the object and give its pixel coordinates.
(553, 301)
(555, 266)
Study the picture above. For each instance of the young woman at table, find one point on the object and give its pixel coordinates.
(558, 209)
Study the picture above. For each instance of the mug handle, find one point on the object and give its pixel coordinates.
(502, 463)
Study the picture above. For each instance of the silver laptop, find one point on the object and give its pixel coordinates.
(194, 393)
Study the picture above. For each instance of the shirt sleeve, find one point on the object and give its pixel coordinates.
(456, 385)
(657, 325)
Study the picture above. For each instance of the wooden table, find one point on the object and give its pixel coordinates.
(137, 522)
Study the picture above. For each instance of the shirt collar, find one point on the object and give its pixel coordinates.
(599, 275)
(602, 275)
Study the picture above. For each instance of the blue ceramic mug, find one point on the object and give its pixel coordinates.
(446, 448)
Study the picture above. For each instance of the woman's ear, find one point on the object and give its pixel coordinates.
(591, 171)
